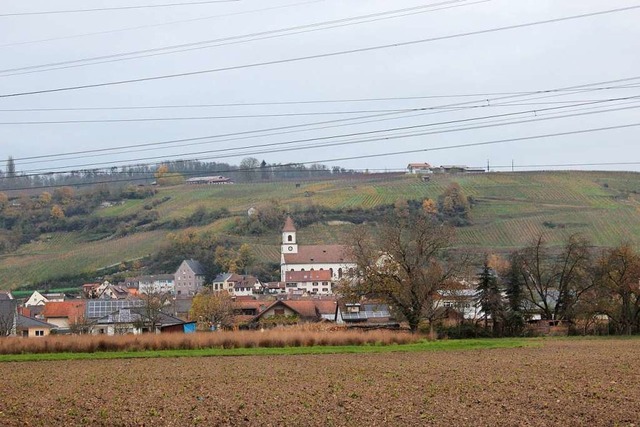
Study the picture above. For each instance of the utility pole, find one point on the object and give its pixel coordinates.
(512, 167)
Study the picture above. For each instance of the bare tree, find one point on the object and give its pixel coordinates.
(404, 263)
(151, 311)
(7, 318)
(554, 281)
(618, 291)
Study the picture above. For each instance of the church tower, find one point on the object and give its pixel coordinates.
(289, 244)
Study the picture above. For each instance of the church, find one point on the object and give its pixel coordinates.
(311, 268)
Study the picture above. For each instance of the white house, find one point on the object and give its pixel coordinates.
(36, 299)
(237, 284)
(332, 258)
(158, 284)
(416, 168)
(315, 282)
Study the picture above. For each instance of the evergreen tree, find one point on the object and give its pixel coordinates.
(489, 297)
(515, 295)
(11, 167)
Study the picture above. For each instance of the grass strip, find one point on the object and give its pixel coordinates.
(445, 345)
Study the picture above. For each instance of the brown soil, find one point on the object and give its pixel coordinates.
(564, 382)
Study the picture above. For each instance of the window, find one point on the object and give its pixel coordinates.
(39, 333)
(331, 271)
(315, 283)
(289, 238)
(314, 290)
(325, 289)
(340, 273)
(278, 311)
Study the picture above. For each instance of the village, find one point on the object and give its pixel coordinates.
(306, 293)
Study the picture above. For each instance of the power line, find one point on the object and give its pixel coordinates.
(329, 123)
(235, 152)
(392, 153)
(405, 98)
(319, 56)
(302, 114)
(162, 24)
(244, 38)
(103, 9)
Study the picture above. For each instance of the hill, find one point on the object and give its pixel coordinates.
(509, 210)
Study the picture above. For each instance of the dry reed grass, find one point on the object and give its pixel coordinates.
(289, 337)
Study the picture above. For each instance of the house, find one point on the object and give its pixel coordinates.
(333, 258)
(158, 284)
(210, 180)
(293, 311)
(28, 327)
(452, 169)
(36, 299)
(419, 168)
(55, 297)
(105, 291)
(189, 278)
(8, 314)
(237, 284)
(135, 320)
(314, 282)
(365, 315)
(96, 309)
(274, 288)
(89, 290)
(283, 312)
(64, 315)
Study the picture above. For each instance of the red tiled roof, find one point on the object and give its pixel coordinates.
(242, 280)
(308, 276)
(306, 309)
(69, 309)
(319, 254)
(326, 306)
(289, 226)
(255, 304)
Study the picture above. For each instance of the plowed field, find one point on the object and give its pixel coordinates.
(560, 383)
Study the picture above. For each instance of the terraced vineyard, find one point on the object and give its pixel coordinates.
(510, 209)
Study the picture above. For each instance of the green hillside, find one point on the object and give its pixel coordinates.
(510, 209)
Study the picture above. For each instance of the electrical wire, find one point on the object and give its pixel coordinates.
(390, 153)
(105, 9)
(318, 56)
(226, 41)
(235, 152)
(161, 24)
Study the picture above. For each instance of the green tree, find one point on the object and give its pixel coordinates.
(11, 168)
(514, 316)
(489, 298)
(453, 205)
(212, 309)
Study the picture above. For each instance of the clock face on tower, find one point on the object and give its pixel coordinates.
(290, 248)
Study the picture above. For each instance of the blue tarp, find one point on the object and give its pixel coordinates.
(189, 328)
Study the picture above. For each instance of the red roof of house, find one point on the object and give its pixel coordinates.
(419, 165)
(253, 304)
(68, 309)
(327, 306)
(308, 276)
(289, 226)
(319, 254)
(242, 280)
(306, 309)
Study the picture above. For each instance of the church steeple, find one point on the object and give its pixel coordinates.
(289, 244)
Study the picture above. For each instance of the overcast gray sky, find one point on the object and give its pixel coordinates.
(556, 55)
